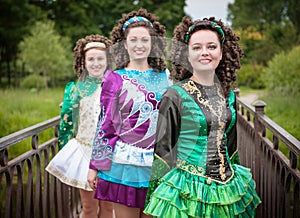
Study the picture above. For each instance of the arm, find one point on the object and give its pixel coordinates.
(232, 134)
(167, 133)
(66, 127)
(107, 132)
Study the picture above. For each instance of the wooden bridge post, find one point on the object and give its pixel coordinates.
(258, 164)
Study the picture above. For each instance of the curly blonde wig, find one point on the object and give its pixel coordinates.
(79, 53)
(157, 55)
(231, 51)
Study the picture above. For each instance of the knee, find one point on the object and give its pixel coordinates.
(89, 208)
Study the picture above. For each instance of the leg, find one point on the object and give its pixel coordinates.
(123, 211)
(89, 204)
(142, 215)
(105, 209)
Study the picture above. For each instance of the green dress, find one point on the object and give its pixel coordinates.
(196, 170)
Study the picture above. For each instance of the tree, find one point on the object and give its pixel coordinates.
(274, 21)
(267, 12)
(283, 72)
(46, 53)
(94, 16)
(15, 18)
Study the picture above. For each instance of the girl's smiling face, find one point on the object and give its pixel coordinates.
(95, 62)
(138, 43)
(204, 51)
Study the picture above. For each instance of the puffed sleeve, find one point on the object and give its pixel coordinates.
(167, 132)
(66, 127)
(109, 123)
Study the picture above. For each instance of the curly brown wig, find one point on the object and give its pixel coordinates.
(231, 50)
(79, 54)
(158, 53)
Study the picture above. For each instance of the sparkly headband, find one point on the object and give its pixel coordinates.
(217, 26)
(94, 45)
(136, 19)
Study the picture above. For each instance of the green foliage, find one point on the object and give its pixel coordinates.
(250, 40)
(45, 52)
(283, 108)
(283, 72)
(240, 13)
(251, 75)
(20, 109)
(276, 27)
(101, 16)
(32, 82)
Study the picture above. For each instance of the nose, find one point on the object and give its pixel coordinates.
(97, 62)
(204, 51)
(139, 43)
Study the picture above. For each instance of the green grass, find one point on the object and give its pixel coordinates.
(246, 90)
(282, 108)
(23, 108)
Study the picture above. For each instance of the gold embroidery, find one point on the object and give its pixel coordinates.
(193, 169)
(191, 87)
(199, 171)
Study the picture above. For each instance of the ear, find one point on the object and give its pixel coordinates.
(125, 45)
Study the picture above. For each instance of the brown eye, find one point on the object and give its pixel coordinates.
(195, 48)
(212, 47)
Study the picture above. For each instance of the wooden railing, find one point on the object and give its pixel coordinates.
(261, 147)
(27, 190)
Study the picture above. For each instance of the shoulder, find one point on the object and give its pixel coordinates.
(111, 80)
(69, 85)
(70, 88)
(110, 76)
(232, 95)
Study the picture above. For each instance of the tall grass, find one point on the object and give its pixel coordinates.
(23, 108)
(281, 107)
(284, 110)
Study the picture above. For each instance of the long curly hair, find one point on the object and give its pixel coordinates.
(231, 51)
(158, 53)
(79, 54)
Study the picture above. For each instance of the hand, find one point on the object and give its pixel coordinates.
(92, 179)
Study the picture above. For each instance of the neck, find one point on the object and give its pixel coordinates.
(206, 79)
(141, 65)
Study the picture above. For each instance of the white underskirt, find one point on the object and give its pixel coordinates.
(70, 165)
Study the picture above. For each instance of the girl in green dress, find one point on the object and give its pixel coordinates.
(196, 170)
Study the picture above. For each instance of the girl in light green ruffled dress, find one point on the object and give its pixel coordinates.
(196, 170)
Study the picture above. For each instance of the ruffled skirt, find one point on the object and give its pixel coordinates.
(122, 194)
(182, 194)
(70, 165)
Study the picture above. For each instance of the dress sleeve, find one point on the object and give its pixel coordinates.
(167, 132)
(109, 123)
(66, 127)
(232, 135)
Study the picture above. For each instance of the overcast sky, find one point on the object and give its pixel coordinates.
(199, 9)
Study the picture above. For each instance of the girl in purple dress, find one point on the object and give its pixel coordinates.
(122, 153)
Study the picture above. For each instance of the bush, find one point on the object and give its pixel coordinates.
(252, 76)
(33, 82)
(283, 72)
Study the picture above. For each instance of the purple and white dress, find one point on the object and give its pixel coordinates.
(123, 147)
